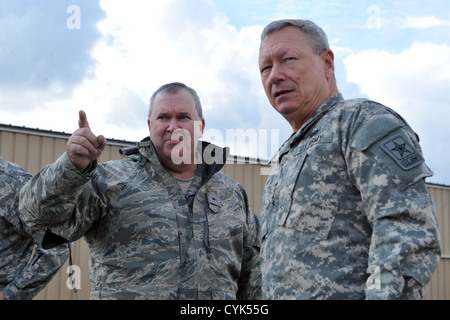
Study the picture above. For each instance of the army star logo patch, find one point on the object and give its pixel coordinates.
(403, 153)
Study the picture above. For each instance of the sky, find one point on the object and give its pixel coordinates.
(107, 57)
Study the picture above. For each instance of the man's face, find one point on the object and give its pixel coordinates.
(295, 79)
(175, 127)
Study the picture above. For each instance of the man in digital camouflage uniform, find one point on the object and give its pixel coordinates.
(346, 213)
(159, 225)
(20, 277)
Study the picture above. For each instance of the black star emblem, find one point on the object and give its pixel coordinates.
(400, 148)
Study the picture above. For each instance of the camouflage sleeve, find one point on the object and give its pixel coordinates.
(39, 271)
(249, 286)
(387, 166)
(58, 202)
(23, 274)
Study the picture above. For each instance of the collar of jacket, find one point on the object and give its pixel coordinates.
(298, 135)
(145, 151)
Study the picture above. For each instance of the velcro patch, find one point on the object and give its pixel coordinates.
(406, 156)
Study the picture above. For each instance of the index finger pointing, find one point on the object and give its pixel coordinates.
(82, 120)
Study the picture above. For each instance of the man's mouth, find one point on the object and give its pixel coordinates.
(174, 138)
(172, 141)
(281, 92)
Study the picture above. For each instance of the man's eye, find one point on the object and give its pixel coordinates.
(266, 68)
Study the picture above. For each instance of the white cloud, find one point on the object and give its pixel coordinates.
(414, 82)
(423, 22)
(141, 44)
(148, 44)
(145, 44)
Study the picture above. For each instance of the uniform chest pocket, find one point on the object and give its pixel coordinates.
(282, 198)
(314, 195)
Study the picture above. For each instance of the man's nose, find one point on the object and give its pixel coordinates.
(173, 125)
(277, 74)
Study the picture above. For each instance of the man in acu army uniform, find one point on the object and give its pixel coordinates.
(20, 277)
(346, 213)
(161, 224)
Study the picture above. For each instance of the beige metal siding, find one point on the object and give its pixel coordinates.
(249, 176)
(34, 149)
(440, 285)
(34, 152)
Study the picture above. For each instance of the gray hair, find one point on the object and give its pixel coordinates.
(175, 87)
(318, 38)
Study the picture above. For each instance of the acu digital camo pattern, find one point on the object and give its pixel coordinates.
(147, 239)
(346, 213)
(20, 278)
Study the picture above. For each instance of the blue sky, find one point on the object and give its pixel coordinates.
(108, 56)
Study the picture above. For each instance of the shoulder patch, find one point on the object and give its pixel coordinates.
(398, 148)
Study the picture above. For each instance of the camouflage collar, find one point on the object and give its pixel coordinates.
(213, 156)
(298, 135)
(320, 112)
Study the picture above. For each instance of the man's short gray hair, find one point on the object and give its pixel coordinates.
(319, 40)
(174, 87)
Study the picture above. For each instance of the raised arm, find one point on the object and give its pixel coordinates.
(59, 202)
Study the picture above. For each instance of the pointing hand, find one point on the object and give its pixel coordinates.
(83, 146)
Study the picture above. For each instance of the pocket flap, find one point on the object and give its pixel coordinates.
(214, 201)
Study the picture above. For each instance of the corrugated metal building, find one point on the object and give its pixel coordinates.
(33, 149)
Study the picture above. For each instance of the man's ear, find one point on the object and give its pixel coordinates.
(203, 125)
(149, 126)
(328, 59)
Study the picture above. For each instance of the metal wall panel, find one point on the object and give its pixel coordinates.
(440, 286)
(34, 149)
